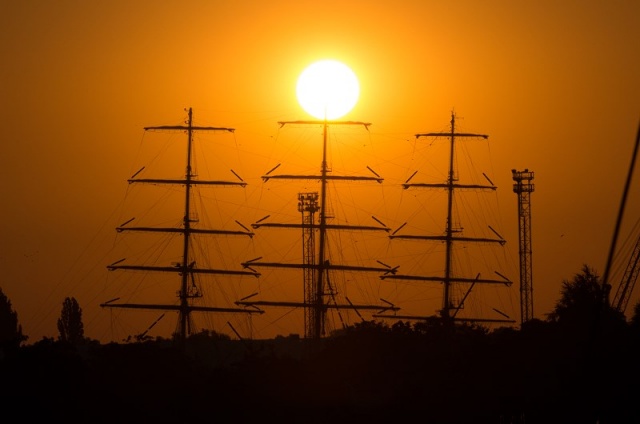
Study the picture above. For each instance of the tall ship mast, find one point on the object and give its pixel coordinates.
(188, 269)
(452, 236)
(319, 291)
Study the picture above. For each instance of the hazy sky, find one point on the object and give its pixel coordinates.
(555, 85)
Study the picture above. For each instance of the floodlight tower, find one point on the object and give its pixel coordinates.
(308, 206)
(523, 187)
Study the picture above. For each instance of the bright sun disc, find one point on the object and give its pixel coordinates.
(327, 89)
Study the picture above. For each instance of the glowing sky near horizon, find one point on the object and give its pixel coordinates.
(554, 85)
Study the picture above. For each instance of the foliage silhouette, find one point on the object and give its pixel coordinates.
(583, 308)
(371, 372)
(10, 330)
(579, 298)
(70, 326)
(635, 319)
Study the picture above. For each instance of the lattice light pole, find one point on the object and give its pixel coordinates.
(308, 206)
(523, 187)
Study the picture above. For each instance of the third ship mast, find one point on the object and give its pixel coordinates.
(451, 235)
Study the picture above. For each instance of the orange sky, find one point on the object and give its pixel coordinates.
(554, 84)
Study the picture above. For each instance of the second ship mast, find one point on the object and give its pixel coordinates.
(315, 302)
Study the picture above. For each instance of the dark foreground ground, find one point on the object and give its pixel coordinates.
(370, 374)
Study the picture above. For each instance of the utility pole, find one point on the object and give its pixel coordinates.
(523, 187)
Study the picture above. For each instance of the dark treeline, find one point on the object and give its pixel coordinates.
(579, 365)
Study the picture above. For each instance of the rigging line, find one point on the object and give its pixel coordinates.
(168, 142)
(127, 192)
(242, 166)
(605, 278)
(235, 142)
(115, 326)
(263, 184)
(620, 261)
(136, 158)
(65, 276)
(282, 316)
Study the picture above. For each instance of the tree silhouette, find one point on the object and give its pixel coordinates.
(580, 298)
(582, 312)
(10, 331)
(70, 324)
(635, 318)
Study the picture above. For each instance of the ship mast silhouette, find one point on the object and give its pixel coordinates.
(187, 269)
(317, 271)
(452, 235)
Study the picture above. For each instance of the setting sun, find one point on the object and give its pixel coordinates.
(327, 89)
